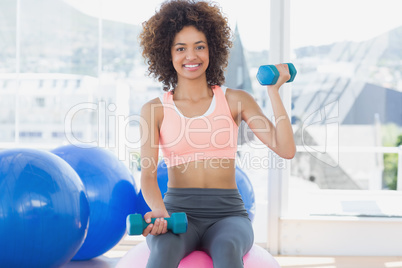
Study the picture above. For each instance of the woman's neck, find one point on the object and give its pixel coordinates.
(192, 90)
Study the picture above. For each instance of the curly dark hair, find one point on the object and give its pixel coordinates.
(159, 31)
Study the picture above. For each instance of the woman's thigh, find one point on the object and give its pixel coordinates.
(231, 235)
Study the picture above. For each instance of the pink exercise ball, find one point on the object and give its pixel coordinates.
(257, 257)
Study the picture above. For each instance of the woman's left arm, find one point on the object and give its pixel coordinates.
(278, 137)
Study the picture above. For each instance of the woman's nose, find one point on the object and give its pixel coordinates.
(191, 55)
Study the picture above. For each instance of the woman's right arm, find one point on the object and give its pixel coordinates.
(151, 116)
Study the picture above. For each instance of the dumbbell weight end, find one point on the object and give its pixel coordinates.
(269, 74)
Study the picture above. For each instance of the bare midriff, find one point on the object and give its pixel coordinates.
(211, 173)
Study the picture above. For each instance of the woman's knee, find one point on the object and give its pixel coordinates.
(227, 253)
(225, 247)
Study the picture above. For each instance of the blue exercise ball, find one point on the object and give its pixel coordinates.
(242, 181)
(44, 212)
(111, 192)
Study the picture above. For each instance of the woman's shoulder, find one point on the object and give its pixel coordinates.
(238, 100)
(151, 104)
(153, 107)
(237, 95)
(156, 100)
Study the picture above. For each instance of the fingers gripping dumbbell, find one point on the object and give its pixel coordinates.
(177, 223)
(269, 74)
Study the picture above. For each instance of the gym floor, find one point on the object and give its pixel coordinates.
(112, 257)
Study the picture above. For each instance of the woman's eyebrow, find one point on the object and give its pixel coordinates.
(183, 44)
(179, 44)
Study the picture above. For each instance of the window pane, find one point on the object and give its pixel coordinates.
(120, 51)
(8, 18)
(56, 38)
(347, 96)
(8, 82)
(58, 70)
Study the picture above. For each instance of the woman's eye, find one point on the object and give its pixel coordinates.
(200, 47)
(180, 49)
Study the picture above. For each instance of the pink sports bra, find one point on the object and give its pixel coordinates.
(211, 135)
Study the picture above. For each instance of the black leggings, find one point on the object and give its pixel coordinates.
(218, 224)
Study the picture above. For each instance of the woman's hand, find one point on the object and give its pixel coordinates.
(284, 76)
(160, 224)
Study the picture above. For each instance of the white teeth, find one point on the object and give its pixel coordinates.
(191, 66)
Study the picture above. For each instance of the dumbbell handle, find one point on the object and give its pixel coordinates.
(269, 74)
(169, 222)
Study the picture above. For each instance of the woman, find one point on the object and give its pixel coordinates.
(186, 44)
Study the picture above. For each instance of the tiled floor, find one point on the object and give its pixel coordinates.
(111, 258)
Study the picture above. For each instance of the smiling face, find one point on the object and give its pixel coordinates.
(190, 55)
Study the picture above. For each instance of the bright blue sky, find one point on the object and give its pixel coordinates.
(314, 22)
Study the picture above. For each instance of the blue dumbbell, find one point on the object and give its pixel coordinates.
(269, 74)
(177, 223)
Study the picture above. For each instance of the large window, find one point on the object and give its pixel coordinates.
(348, 93)
(347, 118)
(346, 102)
